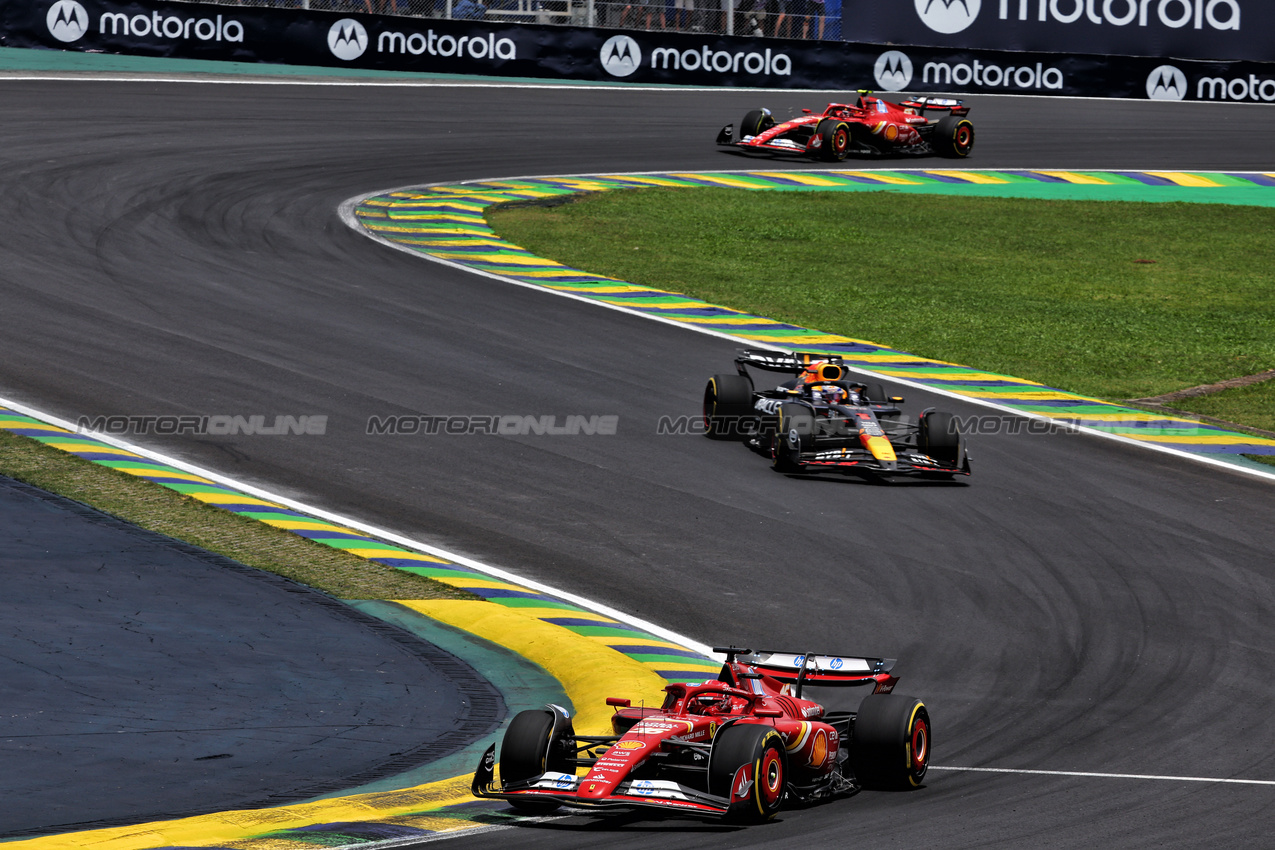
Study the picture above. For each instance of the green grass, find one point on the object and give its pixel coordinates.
(1053, 291)
(1256, 402)
(151, 506)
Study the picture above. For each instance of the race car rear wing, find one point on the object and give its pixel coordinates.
(947, 104)
(780, 361)
(819, 669)
(806, 668)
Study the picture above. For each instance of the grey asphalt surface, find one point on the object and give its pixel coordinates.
(1079, 605)
(142, 678)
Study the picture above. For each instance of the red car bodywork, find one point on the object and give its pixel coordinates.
(870, 126)
(644, 763)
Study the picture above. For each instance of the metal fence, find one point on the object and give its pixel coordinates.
(801, 19)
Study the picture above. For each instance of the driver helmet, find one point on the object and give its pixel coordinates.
(711, 700)
(712, 704)
(831, 394)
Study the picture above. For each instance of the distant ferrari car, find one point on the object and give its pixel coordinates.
(739, 746)
(872, 126)
(818, 421)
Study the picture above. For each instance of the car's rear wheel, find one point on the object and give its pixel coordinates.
(891, 743)
(954, 137)
(755, 123)
(728, 408)
(749, 753)
(531, 746)
(794, 434)
(834, 138)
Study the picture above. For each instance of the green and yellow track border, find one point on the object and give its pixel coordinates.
(446, 223)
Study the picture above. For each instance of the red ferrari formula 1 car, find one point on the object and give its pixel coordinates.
(739, 746)
(871, 126)
(820, 421)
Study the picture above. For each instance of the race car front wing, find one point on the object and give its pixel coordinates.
(564, 788)
(852, 459)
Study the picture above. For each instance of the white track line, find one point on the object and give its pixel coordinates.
(1090, 774)
(232, 78)
(373, 530)
(346, 211)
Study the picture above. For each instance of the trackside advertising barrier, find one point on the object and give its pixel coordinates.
(436, 45)
(1186, 29)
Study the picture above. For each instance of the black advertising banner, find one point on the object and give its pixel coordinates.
(434, 45)
(1186, 29)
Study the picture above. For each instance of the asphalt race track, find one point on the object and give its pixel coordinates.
(146, 679)
(1081, 605)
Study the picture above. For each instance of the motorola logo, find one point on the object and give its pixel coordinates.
(347, 39)
(893, 71)
(620, 55)
(1166, 83)
(948, 16)
(67, 20)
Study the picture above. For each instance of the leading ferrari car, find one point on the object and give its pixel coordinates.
(818, 421)
(739, 746)
(871, 126)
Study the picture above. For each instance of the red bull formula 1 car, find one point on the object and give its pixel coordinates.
(819, 421)
(871, 126)
(739, 746)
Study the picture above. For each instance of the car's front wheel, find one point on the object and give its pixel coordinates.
(535, 743)
(728, 408)
(748, 765)
(940, 437)
(794, 434)
(876, 393)
(834, 139)
(755, 123)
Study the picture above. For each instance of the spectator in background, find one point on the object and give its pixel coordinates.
(469, 10)
(814, 21)
(755, 15)
(683, 13)
(832, 13)
(637, 7)
(782, 8)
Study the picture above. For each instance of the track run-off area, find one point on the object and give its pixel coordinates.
(1083, 610)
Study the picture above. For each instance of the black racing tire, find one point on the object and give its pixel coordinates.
(728, 408)
(834, 138)
(876, 393)
(890, 749)
(762, 747)
(794, 433)
(755, 123)
(939, 437)
(530, 748)
(954, 137)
